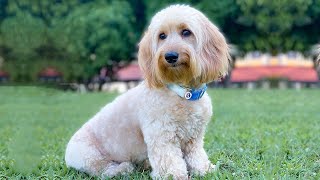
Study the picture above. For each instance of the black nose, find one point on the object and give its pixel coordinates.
(171, 57)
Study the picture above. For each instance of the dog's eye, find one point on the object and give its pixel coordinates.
(186, 33)
(162, 36)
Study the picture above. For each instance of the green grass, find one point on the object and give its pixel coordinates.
(260, 134)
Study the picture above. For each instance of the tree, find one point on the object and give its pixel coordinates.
(272, 23)
(220, 12)
(47, 10)
(23, 33)
(96, 34)
(138, 7)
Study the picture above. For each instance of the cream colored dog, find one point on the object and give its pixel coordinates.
(163, 119)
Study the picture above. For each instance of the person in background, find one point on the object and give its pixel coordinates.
(103, 78)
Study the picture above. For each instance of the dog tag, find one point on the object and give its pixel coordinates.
(188, 95)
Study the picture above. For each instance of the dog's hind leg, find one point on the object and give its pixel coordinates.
(113, 169)
(84, 153)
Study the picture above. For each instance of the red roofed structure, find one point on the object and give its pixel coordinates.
(131, 72)
(50, 74)
(292, 67)
(297, 74)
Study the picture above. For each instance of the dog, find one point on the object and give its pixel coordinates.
(162, 121)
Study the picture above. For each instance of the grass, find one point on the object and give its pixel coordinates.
(260, 134)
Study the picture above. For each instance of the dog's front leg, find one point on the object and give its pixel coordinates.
(196, 157)
(165, 155)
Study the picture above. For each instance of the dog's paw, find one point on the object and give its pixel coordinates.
(212, 168)
(156, 176)
(204, 169)
(114, 169)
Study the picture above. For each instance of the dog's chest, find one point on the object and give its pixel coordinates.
(191, 121)
(190, 128)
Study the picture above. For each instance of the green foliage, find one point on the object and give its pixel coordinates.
(274, 17)
(47, 10)
(219, 11)
(23, 33)
(273, 22)
(271, 135)
(102, 30)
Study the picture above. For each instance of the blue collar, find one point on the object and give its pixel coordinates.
(188, 93)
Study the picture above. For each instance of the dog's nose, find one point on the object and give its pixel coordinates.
(171, 57)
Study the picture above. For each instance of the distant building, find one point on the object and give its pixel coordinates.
(129, 73)
(292, 69)
(126, 78)
(50, 74)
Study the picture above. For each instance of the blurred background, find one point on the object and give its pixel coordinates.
(91, 45)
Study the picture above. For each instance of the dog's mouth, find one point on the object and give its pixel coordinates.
(182, 62)
(178, 65)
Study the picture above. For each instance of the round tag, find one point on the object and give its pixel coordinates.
(188, 95)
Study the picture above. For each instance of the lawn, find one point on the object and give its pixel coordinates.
(260, 134)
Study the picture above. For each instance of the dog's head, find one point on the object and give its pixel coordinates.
(182, 46)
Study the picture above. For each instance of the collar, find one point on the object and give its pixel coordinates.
(190, 94)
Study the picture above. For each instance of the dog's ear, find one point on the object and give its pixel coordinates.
(213, 53)
(146, 61)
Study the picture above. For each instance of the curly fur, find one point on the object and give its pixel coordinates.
(150, 122)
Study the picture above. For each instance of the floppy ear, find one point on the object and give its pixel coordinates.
(213, 53)
(146, 61)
